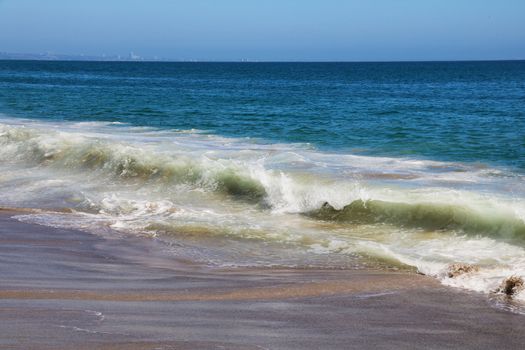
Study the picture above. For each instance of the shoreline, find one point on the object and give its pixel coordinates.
(67, 289)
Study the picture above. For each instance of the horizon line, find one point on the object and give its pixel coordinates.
(263, 61)
(131, 57)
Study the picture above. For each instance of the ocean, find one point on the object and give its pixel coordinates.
(403, 166)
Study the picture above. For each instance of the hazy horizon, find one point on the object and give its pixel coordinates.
(291, 31)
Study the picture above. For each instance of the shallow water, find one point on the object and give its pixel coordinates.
(286, 186)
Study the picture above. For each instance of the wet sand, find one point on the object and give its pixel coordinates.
(66, 289)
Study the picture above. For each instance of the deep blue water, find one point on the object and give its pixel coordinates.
(453, 111)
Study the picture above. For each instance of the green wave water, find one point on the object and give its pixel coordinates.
(427, 216)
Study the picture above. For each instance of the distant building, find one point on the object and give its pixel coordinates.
(134, 57)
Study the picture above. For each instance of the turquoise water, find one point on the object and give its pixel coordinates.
(454, 111)
(331, 165)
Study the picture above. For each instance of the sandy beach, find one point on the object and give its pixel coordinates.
(66, 289)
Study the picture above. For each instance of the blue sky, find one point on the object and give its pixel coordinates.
(268, 29)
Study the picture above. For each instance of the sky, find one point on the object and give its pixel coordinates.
(269, 30)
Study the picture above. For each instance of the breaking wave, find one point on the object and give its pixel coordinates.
(190, 185)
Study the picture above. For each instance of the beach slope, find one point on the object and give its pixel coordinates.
(66, 289)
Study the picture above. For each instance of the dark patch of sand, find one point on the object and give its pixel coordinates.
(65, 289)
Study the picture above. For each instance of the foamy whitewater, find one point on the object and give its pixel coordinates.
(248, 202)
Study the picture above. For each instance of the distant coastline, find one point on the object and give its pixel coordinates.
(49, 56)
(132, 57)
